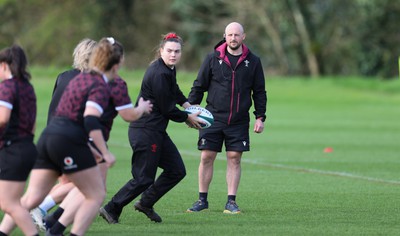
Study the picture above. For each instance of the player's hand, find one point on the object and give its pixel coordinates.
(145, 106)
(109, 158)
(193, 121)
(259, 126)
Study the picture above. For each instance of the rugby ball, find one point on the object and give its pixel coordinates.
(205, 116)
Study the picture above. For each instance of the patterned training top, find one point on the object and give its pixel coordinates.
(85, 89)
(19, 96)
(119, 100)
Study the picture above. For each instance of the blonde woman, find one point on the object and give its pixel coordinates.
(81, 56)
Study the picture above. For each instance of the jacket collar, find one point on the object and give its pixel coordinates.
(220, 50)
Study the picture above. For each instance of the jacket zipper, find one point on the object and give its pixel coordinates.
(233, 89)
(238, 102)
(232, 96)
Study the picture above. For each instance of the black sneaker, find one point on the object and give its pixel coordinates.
(108, 216)
(149, 212)
(231, 208)
(198, 206)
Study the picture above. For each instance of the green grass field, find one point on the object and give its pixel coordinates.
(289, 185)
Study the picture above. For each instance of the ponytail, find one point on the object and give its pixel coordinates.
(16, 59)
(107, 53)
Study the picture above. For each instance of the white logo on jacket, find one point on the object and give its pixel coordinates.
(247, 63)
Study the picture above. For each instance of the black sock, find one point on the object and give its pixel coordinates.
(57, 228)
(203, 197)
(2, 234)
(71, 234)
(51, 219)
(232, 197)
(58, 212)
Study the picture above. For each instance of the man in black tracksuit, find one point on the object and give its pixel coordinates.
(233, 78)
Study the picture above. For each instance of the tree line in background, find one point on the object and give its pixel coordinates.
(293, 37)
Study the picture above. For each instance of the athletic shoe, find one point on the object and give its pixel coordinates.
(231, 208)
(149, 212)
(37, 215)
(108, 216)
(198, 206)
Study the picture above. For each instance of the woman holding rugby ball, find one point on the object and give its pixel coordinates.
(152, 147)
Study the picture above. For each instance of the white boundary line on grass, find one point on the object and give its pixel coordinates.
(296, 168)
(302, 169)
(322, 172)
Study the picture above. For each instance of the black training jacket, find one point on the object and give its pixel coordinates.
(160, 87)
(62, 81)
(231, 91)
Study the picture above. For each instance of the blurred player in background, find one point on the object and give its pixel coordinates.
(81, 55)
(17, 127)
(119, 104)
(63, 147)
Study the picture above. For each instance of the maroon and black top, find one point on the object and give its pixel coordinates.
(19, 96)
(119, 100)
(85, 89)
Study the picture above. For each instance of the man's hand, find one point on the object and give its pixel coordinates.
(259, 126)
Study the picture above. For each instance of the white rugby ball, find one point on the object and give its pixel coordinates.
(205, 116)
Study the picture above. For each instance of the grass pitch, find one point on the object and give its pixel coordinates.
(289, 185)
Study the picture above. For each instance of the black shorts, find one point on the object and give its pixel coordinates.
(63, 153)
(236, 137)
(17, 160)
